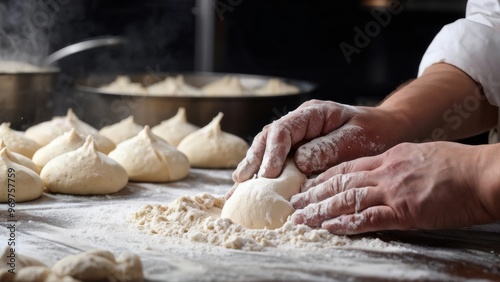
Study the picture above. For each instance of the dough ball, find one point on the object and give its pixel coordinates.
(20, 159)
(84, 171)
(173, 86)
(173, 130)
(264, 202)
(275, 86)
(123, 85)
(149, 158)
(47, 131)
(67, 142)
(225, 86)
(17, 142)
(25, 184)
(35, 274)
(210, 147)
(121, 131)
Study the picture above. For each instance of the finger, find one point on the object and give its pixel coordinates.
(249, 166)
(332, 187)
(348, 202)
(373, 219)
(361, 164)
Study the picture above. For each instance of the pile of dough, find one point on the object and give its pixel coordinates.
(210, 147)
(20, 159)
(47, 131)
(174, 129)
(25, 184)
(275, 86)
(173, 86)
(67, 142)
(225, 86)
(17, 141)
(149, 158)
(123, 85)
(264, 202)
(95, 265)
(121, 131)
(84, 171)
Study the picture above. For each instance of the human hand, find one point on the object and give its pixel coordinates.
(326, 133)
(411, 186)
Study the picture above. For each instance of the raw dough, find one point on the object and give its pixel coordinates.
(123, 85)
(20, 159)
(67, 142)
(101, 265)
(264, 202)
(26, 183)
(275, 86)
(17, 141)
(173, 86)
(84, 171)
(149, 158)
(210, 147)
(19, 67)
(47, 131)
(174, 129)
(121, 131)
(225, 86)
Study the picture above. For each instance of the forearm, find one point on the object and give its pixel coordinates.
(442, 104)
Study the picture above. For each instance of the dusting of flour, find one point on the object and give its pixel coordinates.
(196, 218)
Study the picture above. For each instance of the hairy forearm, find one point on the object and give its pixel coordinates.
(443, 104)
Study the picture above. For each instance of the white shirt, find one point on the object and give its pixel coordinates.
(471, 44)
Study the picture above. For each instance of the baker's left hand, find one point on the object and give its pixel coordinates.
(411, 186)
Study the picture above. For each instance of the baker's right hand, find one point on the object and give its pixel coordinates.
(324, 134)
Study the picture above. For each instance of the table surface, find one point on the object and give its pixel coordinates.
(56, 225)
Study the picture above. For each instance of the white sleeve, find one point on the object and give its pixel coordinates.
(473, 45)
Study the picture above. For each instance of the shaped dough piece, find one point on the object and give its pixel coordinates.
(275, 86)
(47, 131)
(123, 85)
(264, 202)
(67, 142)
(149, 158)
(121, 131)
(225, 86)
(173, 86)
(25, 184)
(210, 147)
(84, 171)
(20, 159)
(17, 142)
(100, 265)
(174, 129)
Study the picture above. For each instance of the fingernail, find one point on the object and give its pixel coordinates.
(297, 217)
(297, 202)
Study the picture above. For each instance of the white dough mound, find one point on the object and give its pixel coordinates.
(121, 131)
(65, 143)
(149, 158)
(261, 203)
(174, 129)
(17, 141)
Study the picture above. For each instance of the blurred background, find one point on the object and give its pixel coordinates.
(356, 51)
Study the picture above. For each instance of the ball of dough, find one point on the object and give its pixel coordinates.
(173, 130)
(17, 182)
(20, 159)
(210, 147)
(17, 141)
(67, 142)
(225, 86)
(123, 85)
(173, 86)
(275, 86)
(84, 171)
(121, 131)
(47, 131)
(264, 202)
(149, 158)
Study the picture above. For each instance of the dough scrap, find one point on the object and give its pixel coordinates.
(26, 184)
(149, 158)
(275, 86)
(17, 141)
(264, 202)
(47, 131)
(210, 147)
(226, 86)
(84, 171)
(123, 85)
(121, 131)
(174, 129)
(65, 143)
(173, 86)
(20, 159)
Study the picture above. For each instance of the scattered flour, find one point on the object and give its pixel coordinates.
(195, 218)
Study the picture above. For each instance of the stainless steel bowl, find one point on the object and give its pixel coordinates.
(26, 98)
(243, 115)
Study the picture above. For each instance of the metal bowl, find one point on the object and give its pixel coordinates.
(243, 115)
(26, 97)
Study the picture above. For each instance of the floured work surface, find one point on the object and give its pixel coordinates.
(55, 226)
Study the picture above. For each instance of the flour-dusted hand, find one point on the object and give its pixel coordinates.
(324, 133)
(411, 186)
